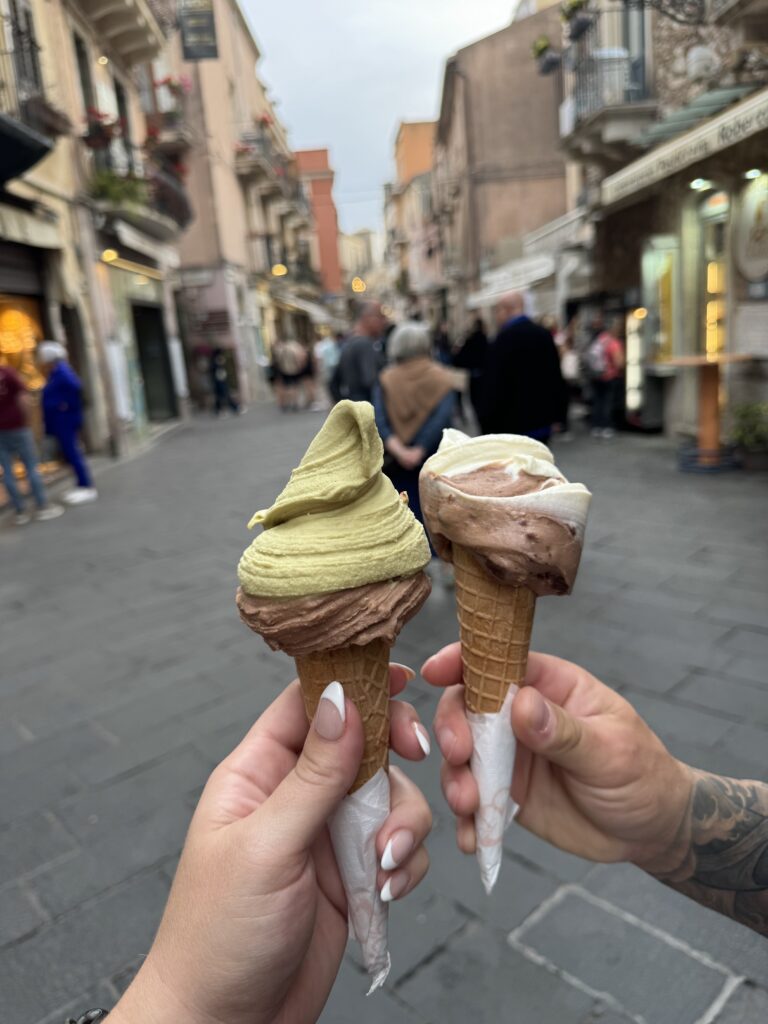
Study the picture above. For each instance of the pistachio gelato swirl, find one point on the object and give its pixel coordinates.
(339, 522)
(502, 497)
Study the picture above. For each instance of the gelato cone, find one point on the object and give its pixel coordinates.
(331, 580)
(499, 509)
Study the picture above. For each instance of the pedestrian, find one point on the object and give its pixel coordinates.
(605, 365)
(442, 340)
(522, 386)
(63, 416)
(471, 356)
(571, 371)
(327, 352)
(289, 360)
(361, 356)
(17, 442)
(222, 396)
(414, 402)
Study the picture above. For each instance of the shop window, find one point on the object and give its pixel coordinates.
(714, 273)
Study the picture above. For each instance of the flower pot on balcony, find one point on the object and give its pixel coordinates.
(548, 62)
(579, 24)
(47, 118)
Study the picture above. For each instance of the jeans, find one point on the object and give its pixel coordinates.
(70, 449)
(603, 403)
(20, 444)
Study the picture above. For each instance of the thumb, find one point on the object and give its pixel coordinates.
(549, 730)
(295, 813)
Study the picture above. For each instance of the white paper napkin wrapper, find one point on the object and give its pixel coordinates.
(353, 833)
(492, 764)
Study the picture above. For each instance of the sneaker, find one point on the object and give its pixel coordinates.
(80, 496)
(49, 512)
(608, 433)
(22, 518)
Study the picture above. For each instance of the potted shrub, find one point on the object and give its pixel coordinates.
(750, 434)
(547, 58)
(577, 17)
(119, 188)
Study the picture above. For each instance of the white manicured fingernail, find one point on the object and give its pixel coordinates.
(331, 712)
(334, 692)
(422, 737)
(394, 887)
(399, 846)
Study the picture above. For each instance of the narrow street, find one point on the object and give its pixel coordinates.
(126, 675)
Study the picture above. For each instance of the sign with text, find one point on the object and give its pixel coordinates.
(740, 122)
(198, 30)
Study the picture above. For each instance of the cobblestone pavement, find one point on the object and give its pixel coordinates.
(126, 674)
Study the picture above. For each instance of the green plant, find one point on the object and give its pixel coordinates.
(119, 188)
(750, 426)
(569, 8)
(540, 46)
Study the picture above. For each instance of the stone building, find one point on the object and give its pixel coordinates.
(90, 216)
(499, 172)
(669, 122)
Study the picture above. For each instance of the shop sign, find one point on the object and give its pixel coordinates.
(739, 123)
(198, 30)
(752, 231)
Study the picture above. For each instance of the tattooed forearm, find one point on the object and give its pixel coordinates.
(726, 861)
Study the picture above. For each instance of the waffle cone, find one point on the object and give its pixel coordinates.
(495, 623)
(363, 671)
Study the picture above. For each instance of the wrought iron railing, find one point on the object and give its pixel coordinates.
(606, 65)
(20, 76)
(124, 175)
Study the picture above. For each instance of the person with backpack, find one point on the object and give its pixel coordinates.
(605, 365)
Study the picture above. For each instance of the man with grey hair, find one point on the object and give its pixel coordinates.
(522, 386)
(360, 361)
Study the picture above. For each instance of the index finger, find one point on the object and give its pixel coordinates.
(444, 668)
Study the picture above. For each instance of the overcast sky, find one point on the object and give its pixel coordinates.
(345, 72)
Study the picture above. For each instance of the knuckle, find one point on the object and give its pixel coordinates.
(312, 770)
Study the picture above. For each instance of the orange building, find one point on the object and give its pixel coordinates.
(316, 173)
(414, 149)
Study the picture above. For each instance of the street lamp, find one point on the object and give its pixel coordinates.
(358, 285)
(279, 270)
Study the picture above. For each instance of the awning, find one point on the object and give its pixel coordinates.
(512, 276)
(24, 228)
(692, 114)
(729, 128)
(317, 314)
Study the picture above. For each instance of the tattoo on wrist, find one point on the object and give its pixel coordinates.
(725, 866)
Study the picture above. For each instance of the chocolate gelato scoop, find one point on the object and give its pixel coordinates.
(502, 497)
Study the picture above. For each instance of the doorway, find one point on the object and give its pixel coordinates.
(155, 362)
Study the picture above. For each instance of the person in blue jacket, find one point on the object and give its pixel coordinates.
(63, 416)
(414, 401)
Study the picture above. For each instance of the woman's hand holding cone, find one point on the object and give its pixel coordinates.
(590, 776)
(256, 923)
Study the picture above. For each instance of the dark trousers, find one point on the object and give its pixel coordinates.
(223, 397)
(70, 449)
(603, 402)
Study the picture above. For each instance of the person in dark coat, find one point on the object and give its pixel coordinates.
(522, 386)
(471, 356)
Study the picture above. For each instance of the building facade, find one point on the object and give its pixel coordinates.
(669, 122)
(499, 172)
(317, 175)
(90, 217)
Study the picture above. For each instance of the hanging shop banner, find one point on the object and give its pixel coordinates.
(198, 30)
(738, 123)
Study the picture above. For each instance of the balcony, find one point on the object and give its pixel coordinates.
(126, 28)
(258, 159)
(260, 254)
(141, 192)
(28, 123)
(169, 133)
(608, 95)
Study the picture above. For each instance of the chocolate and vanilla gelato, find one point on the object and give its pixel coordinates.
(502, 497)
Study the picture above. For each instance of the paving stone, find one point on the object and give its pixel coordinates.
(754, 669)
(750, 743)
(18, 915)
(724, 940)
(748, 1005)
(31, 841)
(456, 877)
(164, 784)
(479, 978)
(61, 960)
(749, 642)
(349, 1004)
(119, 854)
(725, 695)
(616, 957)
(674, 722)
(544, 857)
